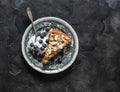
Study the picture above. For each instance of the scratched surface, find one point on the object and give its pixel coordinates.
(97, 67)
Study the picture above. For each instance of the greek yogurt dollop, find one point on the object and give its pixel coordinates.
(38, 43)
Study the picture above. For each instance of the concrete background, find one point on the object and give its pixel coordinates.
(97, 67)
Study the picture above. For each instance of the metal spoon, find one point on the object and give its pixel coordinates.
(29, 13)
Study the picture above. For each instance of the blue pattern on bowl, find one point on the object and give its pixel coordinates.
(67, 57)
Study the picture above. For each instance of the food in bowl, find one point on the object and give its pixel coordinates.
(46, 44)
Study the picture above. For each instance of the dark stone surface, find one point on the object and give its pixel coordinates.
(97, 67)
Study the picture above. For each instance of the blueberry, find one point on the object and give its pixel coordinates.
(31, 44)
(47, 40)
(59, 60)
(43, 34)
(44, 45)
(41, 56)
(47, 29)
(61, 53)
(36, 51)
(39, 59)
(39, 34)
(34, 55)
(35, 47)
(42, 48)
(30, 50)
(40, 41)
(52, 60)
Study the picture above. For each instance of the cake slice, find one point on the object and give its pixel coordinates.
(57, 41)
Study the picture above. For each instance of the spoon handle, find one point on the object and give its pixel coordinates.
(29, 13)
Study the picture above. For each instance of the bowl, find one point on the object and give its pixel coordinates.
(67, 59)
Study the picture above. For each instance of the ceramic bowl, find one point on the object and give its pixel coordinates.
(67, 59)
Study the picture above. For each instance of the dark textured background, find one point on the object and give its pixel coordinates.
(97, 67)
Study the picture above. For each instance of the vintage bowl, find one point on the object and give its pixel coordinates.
(67, 59)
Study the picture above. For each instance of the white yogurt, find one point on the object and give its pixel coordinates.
(36, 43)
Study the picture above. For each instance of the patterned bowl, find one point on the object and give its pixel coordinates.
(67, 59)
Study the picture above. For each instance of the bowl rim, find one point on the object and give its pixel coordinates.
(76, 42)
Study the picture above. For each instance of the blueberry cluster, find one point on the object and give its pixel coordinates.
(44, 33)
(34, 50)
(58, 58)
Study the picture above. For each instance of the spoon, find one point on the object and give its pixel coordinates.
(29, 13)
